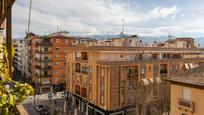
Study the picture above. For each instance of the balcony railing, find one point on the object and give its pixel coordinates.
(84, 71)
(40, 67)
(43, 44)
(132, 75)
(43, 52)
(186, 104)
(47, 75)
(41, 60)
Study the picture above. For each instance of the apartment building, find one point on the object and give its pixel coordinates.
(180, 43)
(47, 61)
(20, 58)
(60, 42)
(116, 80)
(187, 92)
(85, 41)
(126, 41)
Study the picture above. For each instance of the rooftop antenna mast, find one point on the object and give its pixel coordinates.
(30, 8)
(57, 28)
(122, 33)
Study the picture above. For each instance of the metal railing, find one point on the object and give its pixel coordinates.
(186, 104)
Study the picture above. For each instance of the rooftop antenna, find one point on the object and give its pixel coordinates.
(170, 36)
(57, 28)
(30, 8)
(122, 33)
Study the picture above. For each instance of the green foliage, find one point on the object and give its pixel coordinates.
(17, 92)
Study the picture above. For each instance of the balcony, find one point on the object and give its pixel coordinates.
(84, 71)
(43, 52)
(132, 72)
(46, 75)
(45, 68)
(43, 44)
(84, 56)
(43, 60)
(186, 104)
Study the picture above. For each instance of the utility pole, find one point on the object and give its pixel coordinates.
(29, 18)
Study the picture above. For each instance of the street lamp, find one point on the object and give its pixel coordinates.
(7, 85)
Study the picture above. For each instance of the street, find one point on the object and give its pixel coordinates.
(56, 105)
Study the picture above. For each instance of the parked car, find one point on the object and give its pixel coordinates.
(44, 112)
(39, 107)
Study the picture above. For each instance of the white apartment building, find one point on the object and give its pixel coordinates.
(20, 58)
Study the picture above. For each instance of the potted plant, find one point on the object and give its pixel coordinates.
(11, 92)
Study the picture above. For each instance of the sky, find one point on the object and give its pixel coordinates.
(90, 17)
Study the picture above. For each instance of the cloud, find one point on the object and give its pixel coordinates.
(163, 12)
(94, 17)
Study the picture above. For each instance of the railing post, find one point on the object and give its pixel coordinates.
(9, 38)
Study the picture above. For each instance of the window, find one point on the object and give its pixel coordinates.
(131, 84)
(143, 69)
(163, 69)
(78, 67)
(45, 57)
(57, 55)
(45, 72)
(131, 72)
(85, 69)
(102, 71)
(186, 94)
(45, 49)
(84, 55)
(57, 79)
(56, 72)
(150, 69)
(57, 63)
(78, 55)
(58, 40)
(155, 68)
(66, 41)
(57, 49)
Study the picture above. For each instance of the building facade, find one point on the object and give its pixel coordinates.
(60, 42)
(47, 61)
(180, 43)
(187, 91)
(118, 80)
(20, 59)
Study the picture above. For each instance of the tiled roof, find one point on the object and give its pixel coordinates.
(122, 48)
(194, 76)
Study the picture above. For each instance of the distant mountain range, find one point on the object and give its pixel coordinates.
(145, 39)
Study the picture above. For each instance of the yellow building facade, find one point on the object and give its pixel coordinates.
(187, 92)
(118, 80)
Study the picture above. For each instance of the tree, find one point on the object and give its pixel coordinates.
(11, 92)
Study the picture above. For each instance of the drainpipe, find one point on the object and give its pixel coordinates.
(120, 68)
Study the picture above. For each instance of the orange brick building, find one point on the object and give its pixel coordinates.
(47, 60)
(59, 44)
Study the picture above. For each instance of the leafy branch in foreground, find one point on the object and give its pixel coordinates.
(11, 92)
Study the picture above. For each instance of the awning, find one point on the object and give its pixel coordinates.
(151, 80)
(186, 66)
(158, 79)
(191, 65)
(146, 82)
